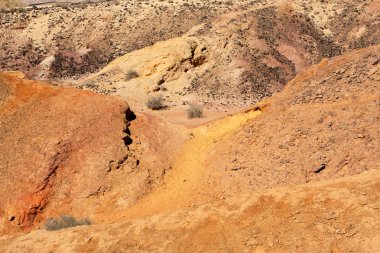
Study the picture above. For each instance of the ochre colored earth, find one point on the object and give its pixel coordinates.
(285, 157)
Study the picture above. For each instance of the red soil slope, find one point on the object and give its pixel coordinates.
(59, 142)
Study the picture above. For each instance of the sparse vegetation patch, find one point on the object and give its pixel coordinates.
(155, 102)
(131, 75)
(194, 111)
(65, 221)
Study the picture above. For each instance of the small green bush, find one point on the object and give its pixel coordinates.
(155, 102)
(194, 111)
(131, 75)
(65, 221)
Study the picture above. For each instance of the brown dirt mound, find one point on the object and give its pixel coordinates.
(61, 141)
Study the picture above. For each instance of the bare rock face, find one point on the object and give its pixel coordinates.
(57, 143)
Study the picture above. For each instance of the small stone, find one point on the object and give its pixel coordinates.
(320, 168)
(155, 88)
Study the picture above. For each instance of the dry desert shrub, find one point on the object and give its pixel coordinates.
(194, 111)
(62, 5)
(65, 221)
(155, 102)
(131, 74)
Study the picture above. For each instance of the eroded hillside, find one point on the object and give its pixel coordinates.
(284, 156)
(120, 27)
(61, 141)
(234, 60)
(324, 125)
(248, 50)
